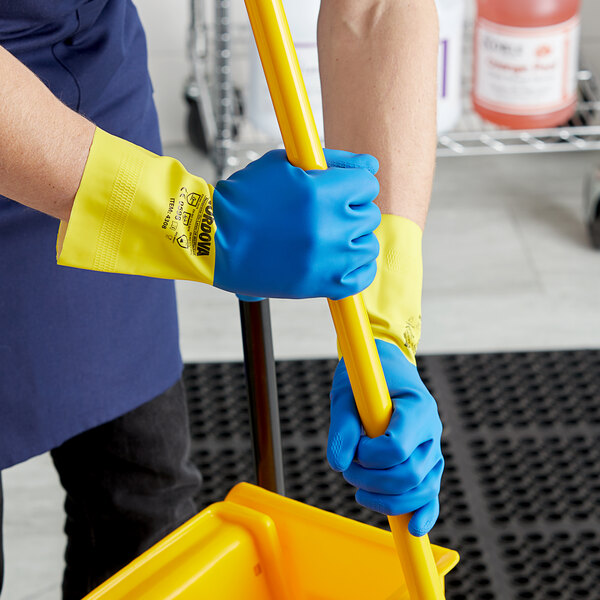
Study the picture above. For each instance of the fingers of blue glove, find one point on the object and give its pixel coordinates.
(365, 218)
(344, 433)
(344, 428)
(424, 518)
(349, 160)
(408, 502)
(356, 281)
(344, 188)
(398, 479)
(361, 254)
(415, 420)
(301, 245)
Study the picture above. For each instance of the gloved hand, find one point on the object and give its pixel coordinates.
(400, 471)
(271, 229)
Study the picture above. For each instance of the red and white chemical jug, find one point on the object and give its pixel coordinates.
(525, 62)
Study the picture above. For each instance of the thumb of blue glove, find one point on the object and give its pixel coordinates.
(287, 233)
(399, 472)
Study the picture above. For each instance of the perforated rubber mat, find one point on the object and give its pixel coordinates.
(521, 490)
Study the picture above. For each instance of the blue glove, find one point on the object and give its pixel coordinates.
(287, 233)
(400, 471)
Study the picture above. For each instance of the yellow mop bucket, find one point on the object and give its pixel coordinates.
(257, 545)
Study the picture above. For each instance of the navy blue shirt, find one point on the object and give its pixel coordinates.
(78, 348)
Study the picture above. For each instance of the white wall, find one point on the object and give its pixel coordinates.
(166, 25)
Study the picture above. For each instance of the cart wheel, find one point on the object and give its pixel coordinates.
(591, 200)
(195, 127)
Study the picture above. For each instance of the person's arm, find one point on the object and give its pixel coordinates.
(43, 144)
(378, 61)
(378, 76)
(126, 210)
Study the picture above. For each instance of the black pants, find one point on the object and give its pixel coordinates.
(128, 483)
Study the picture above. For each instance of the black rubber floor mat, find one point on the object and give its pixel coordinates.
(521, 491)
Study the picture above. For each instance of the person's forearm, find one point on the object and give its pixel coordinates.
(378, 73)
(43, 144)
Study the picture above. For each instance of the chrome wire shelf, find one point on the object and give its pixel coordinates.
(560, 139)
(237, 142)
(475, 137)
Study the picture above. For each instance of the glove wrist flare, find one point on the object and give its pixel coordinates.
(393, 300)
(139, 213)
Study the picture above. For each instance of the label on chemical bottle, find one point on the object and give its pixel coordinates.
(526, 71)
(451, 18)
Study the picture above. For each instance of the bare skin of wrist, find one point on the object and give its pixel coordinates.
(378, 62)
(44, 145)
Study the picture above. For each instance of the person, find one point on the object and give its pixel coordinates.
(90, 360)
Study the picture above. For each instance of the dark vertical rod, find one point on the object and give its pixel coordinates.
(262, 394)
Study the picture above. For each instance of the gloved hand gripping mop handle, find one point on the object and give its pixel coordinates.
(303, 148)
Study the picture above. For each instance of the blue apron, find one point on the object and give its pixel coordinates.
(78, 348)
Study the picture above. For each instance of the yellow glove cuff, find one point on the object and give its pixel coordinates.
(139, 213)
(393, 300)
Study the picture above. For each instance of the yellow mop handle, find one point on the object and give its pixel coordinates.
(303, 148)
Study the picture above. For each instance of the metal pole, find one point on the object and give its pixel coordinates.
(256, 321)
(201, 123)
(224, 86)
(262, 394)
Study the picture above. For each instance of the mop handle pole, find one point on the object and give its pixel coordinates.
(303, 147)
